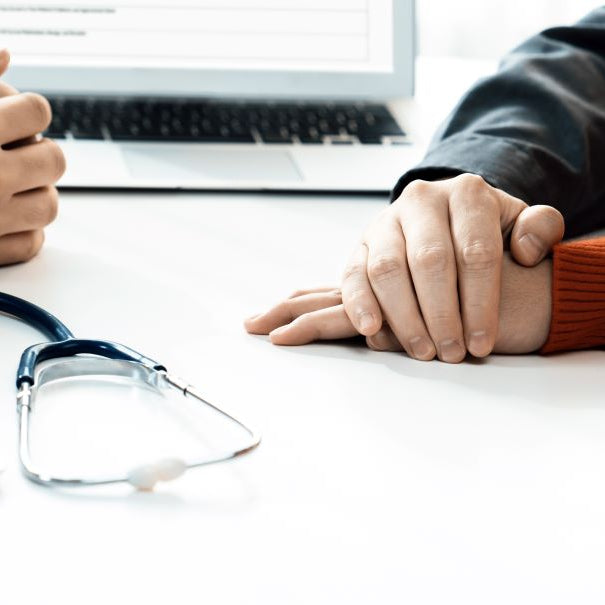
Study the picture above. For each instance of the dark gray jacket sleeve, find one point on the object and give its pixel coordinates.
(536, 129)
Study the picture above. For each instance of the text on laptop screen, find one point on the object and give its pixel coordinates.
(293, 35)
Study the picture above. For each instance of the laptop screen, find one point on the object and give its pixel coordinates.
(263, 35)
(226, 48)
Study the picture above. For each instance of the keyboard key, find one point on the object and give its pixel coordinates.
(275, 138)
(306, 140)
(54, 135)
(369, 139)
(93, 133)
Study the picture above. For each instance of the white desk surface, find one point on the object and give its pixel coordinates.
(380, 479)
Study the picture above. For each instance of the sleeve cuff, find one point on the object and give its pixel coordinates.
(502, 163)
(578, 297)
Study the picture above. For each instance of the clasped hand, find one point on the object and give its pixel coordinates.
(29, 167)
(431, 277)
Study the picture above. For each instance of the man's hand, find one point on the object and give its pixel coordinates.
(429, 265)
(522, 324)
(29, 167)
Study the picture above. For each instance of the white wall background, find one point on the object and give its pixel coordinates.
(489, 28)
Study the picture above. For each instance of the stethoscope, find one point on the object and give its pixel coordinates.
(79, 357)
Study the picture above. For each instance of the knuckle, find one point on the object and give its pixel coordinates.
(40, 107)
(480, 310)
(353, 297)
(384, 215)
(6, 90)
(430, 258)
(471, 182)
(442, 320)
(285, 308)
(480, 255)
(385, 267)
(417, 188)
(34, 244)
(48, 205)
(353, 271)
(57, 158)
(29, 245)
(42, 208)
(53, 204)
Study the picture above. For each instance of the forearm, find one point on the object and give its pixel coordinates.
(537, 128)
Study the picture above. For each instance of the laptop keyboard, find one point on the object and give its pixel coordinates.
(205, 121)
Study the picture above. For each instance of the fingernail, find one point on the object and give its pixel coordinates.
(532, 247)
(252, 317)
(421, 347)
(451, 351)
(278, 331)
(380, 340)
(479, 344)
(366, 321)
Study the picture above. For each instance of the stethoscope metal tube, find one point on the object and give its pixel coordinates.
(77, 360)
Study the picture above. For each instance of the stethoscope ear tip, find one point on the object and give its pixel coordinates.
(145, 477)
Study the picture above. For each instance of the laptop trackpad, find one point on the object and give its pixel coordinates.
(187, 162)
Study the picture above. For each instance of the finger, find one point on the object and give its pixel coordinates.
(23, 115)
(391, 283)
(326, 324)
(20, 247)
(313, 291)
(359, 300)
(510, 208)
(32, 166)
(4, 60)
(433, 268)
(477, 238)
(6, 90)
(536, 231)
(29, 211)
(288, 310)
(384, 340)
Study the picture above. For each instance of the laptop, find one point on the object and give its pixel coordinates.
(215, 94)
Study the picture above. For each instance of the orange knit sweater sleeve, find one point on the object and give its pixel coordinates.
(578, 296)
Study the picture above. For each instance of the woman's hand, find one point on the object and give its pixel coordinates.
(29, 168)
(523, 316)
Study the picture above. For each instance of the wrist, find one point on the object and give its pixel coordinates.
(525, 307)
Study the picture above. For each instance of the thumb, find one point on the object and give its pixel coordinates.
(4, 60)
(536, 230)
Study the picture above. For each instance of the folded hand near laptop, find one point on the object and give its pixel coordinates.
(430, 277)
(29, 167)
